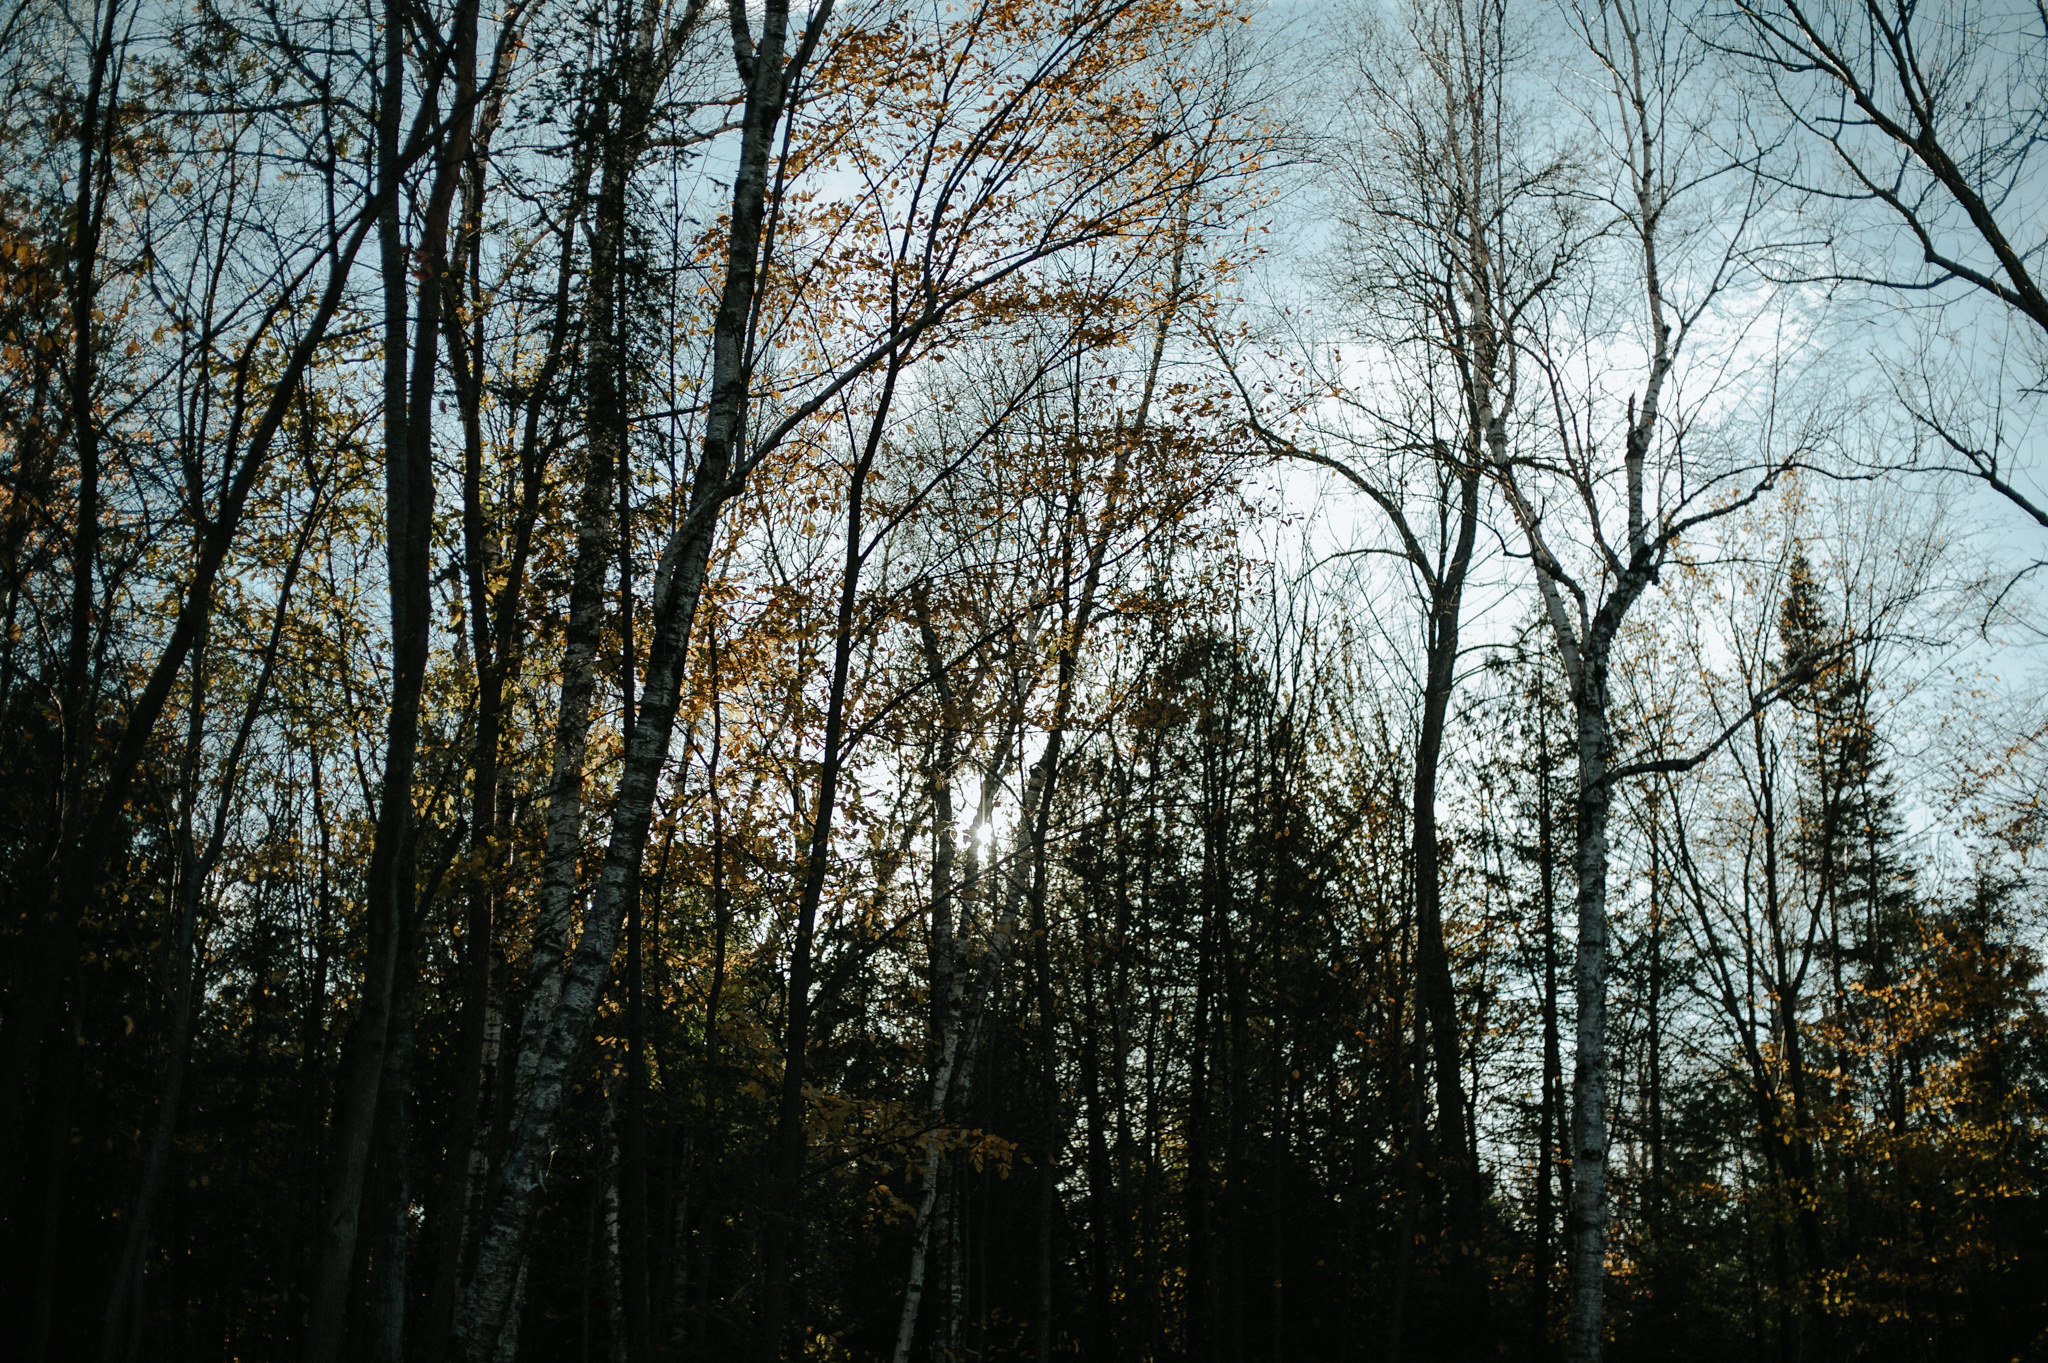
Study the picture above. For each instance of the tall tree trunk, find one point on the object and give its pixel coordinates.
(121, 1336)
(609, 1228)
(712, 1151)
(1589, 1066)
(379, 1329)
(409, 510)
(1051, 1114)
(497, 627)
(944, 984)
(1099, 1332)
(1198, 1242)
(1653, 1217)
(1795, 1124)
(1036, 815)
(50, 944)
(633, 1212)
(621, 131)
(488, 1297)
(1281, 1140)
(1548, 1105)
(452, 1193)
(787, 1144)
(618, 141)
(1410, 1157)
(1438, 994)
(121, 1332)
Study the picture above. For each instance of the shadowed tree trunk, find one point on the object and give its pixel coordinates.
(410, 366)
(551, 1049)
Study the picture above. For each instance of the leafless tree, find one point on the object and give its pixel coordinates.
(1932, 120)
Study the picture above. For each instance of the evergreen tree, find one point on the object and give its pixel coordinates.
(1849, 836)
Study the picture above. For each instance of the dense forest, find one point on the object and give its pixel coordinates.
(1169, 680)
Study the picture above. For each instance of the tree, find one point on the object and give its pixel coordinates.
(1932, 119)
(1678, 266)
(725, 751)
(1455, 230)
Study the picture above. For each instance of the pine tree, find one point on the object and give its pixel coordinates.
(1848, 842)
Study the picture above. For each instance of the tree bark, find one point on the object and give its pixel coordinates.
(1588, 1231)
(1435, 987)
(409, 511)
(944, 984)
(379, 1328)
(485, 1317)
(1548, 1115)
(496, 623)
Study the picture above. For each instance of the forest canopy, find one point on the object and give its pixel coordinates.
(1182, 681)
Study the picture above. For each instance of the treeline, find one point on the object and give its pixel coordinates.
(695, 681)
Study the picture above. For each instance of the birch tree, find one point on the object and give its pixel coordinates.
(1683, 223)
